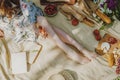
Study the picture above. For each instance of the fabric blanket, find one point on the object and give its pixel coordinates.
(52, 59)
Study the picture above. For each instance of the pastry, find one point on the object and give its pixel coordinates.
(110, 59)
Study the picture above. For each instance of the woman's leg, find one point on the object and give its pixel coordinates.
(70, 52)
(67, 39)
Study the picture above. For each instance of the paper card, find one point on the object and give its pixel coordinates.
(19, 63)
(33, 50)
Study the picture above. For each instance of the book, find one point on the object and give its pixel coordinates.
(18, 63)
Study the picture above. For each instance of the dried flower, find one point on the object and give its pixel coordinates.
(111, 4)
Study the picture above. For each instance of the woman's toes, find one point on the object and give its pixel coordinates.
(85, 60)
(94, 55)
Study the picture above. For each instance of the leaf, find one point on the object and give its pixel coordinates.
(118, 78)
(105, 7)
(109, 25)
(102, 28)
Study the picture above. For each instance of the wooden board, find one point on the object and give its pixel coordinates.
(112, 46)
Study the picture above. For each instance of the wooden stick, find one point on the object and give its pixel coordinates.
(38, 52)
(88, 22)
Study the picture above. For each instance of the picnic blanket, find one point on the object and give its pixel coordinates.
(52, 59)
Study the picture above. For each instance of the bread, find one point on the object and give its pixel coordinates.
(110, 59)
(104, 17)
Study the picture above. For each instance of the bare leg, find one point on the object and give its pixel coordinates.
(67, 39)
(70, 52)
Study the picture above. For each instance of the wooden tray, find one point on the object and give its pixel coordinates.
(112, 46)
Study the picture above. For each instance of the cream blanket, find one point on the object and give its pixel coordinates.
(52, 59)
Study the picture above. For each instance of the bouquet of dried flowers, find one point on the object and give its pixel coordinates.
(112, 8)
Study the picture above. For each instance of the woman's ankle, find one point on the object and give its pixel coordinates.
(72, 2)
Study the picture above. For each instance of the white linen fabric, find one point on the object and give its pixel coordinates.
(52, 59)
(18, 29)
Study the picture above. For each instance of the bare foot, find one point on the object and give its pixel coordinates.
(84, 60)
(72, 2)
(79, 58)
(93, 55)
(89, 54)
